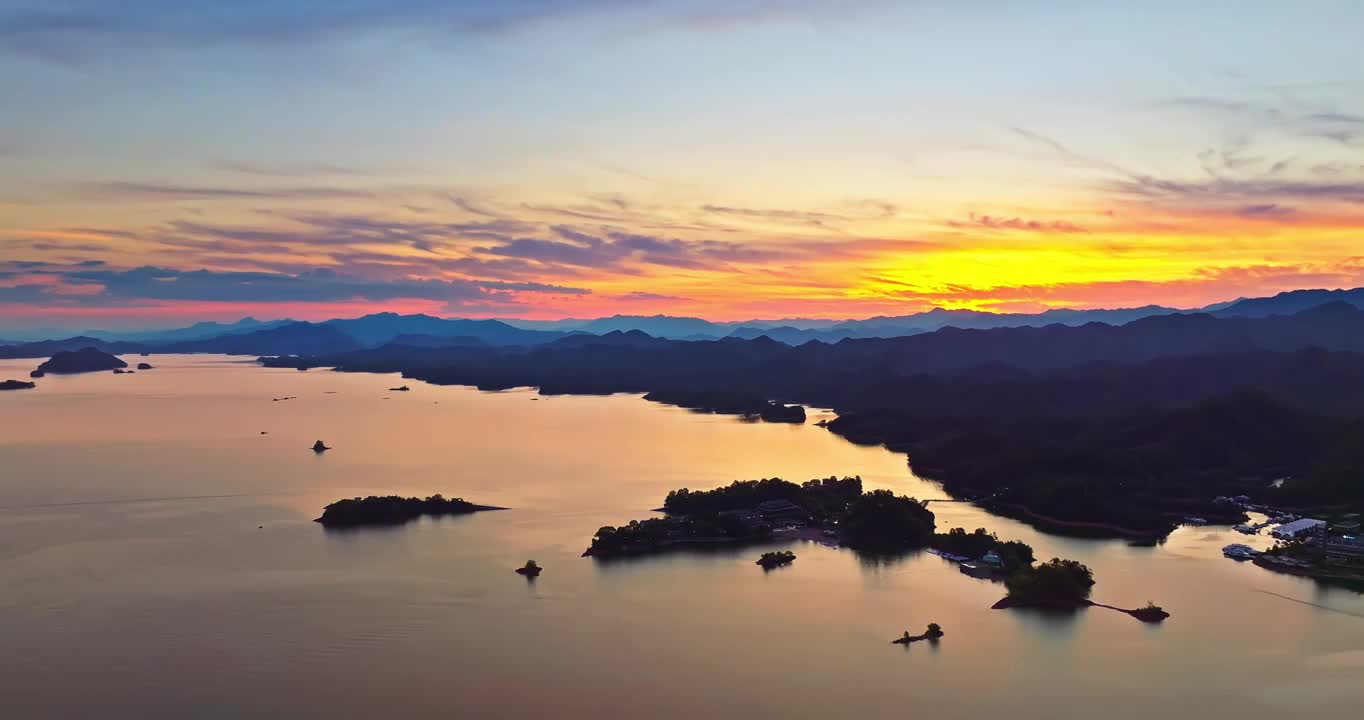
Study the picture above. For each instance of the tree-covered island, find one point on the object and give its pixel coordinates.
(393, 510)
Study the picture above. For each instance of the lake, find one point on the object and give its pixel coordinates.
(158, 559)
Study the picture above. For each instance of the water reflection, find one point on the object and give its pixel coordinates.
(179, 605)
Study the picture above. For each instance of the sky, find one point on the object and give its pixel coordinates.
(166, 161)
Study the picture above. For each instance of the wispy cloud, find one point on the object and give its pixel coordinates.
(118, 190)
(993, 222)
(77, 30)
(297, 170)
(101, 285)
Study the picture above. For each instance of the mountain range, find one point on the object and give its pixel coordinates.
(289, 337)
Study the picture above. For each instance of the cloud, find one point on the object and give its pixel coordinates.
(802, 217)
(96, 285)
(78, 31)
(1252, 191)
(648, 297)
(992, 222)
(290, 170)
(616, 249)
(125, 190)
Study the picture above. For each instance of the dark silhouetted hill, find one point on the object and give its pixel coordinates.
(81, 361)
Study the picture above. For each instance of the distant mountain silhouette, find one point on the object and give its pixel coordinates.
(1288, 303)
(660, 326)
(1093, 428)
(300, 338)
(382, 328)
(615, 338)
(197, 331)
(436, 341)
(47, 348)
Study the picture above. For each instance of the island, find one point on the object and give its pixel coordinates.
(1056, 584)
(1063, 585)
(531, 570)
(319, 446)
(933, 632)
(400, 388)
(770, 560)
(749, 511)
(144, 366)
(17, 385)
(87, 359)
(393, 510)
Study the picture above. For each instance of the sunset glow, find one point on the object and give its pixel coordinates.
(602, 158)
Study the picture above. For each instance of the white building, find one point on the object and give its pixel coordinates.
(1298, 528)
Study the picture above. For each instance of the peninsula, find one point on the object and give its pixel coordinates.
(17, 385)
(1099, 430)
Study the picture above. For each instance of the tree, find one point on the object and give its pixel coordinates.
(881, 521)
(1055, 582)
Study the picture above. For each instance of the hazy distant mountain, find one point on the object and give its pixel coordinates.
(299, 338)
(381, 328)
(197, 331)
(794, 336)
(615, 338)
(1287, 303)
(425, 330)
(437, 341)
(48, 348)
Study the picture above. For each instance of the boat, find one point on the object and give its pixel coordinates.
(1237, 551)
(1246, 530)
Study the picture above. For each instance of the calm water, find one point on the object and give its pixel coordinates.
(135, 581)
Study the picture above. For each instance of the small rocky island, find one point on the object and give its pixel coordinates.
(393, 510)
(531, 569)
(80, 361)
(933, 632)
(17, 385)
(400, 388)
(320, 447)
(144, 366)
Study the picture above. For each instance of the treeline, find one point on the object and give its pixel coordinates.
(821, 498)
(1013, 554)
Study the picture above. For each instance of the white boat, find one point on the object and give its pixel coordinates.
(1236, 551)
(1245, 529)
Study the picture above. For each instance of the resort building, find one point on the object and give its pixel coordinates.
(1299, 528)
(1344, 549)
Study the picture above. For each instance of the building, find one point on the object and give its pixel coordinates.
(1300, 528)
(1344, 549)
(781, 510)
